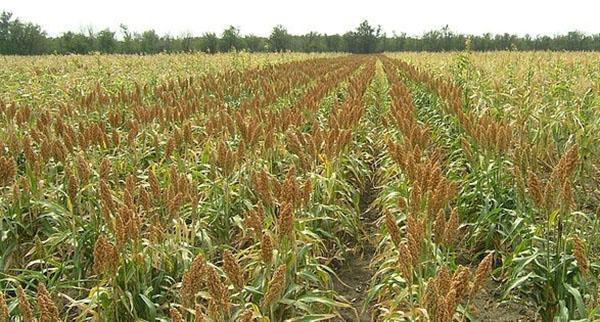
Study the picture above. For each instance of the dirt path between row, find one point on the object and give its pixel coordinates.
(355, 273)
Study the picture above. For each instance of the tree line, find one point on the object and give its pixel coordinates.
(26, 38)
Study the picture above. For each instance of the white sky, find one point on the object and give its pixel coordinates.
(414, 17)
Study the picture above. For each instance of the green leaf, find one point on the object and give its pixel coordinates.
(563, 313)
(578, 299)
(150, 305)
(322, 300)
(517, 283)
(312, 317)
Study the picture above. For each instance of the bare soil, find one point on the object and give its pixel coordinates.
(355, 273)
(486, 306)
(356, 277)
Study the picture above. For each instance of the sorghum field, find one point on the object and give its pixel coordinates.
(300, 187)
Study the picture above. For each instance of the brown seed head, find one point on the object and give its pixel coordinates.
(460, 281)
(261, 186)
(286, 221)
(439, 226)
(233, 270)
(306, 191)
(254, 219)
(443, 280)
(415, 234)
(193, 279)
(198, 315)
(127, 225)
(246, 316)
(24, 306)
(275, 286)
(405, 262)
(175, 315)
(402, 204)
(567, 194)
(8, 171)
(47, 308)
(429, 301)
(72, 187)
(393, 229)
(450, 304)
(217, 289)
(535, 189)
(83, 169)
(441, 315)
(145, 200)
(567, 162)
(170, 146)
(483, 271)
(106, 195)
(105, 256)
(580, 254)
(451, 230)
(154, 185)
(215, 310)
(266, 248)
(3, 309)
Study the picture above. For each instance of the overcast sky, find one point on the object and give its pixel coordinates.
(258, 17)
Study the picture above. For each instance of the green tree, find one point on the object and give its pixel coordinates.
(209, 43)
(17, 38)
(5, 23)
(106, 41)
(231, 39)
(314, 42)
(365, 38)
(74, 43)
(187, 42)
(150, 42)
(131, 41)
(280, 39)
(254, 43)
(334, 43)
